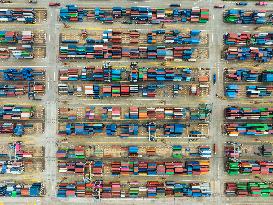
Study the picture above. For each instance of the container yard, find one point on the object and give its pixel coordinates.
(128, 102)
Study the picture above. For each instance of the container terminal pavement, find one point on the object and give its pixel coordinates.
(129, 102)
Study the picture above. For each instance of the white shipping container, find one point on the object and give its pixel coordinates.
(21, 19)
(4, 19)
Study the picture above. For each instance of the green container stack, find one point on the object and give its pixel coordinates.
(177, 152)
(233, 168)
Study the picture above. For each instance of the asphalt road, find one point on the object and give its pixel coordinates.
(215, 27)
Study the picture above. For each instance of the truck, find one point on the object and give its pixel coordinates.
(261, 3)
(175, 5)
(214, 78)
(222, 6)
(214, 148)
(54, 4)
(241, 3)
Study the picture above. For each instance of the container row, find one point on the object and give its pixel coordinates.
(249, 113)
(249, 75)
(21, 37)
(98, 91)
(13, 112)
(25, 15)
(31, 89)
(25, 51)
(243, 39)
(96, 113)
(233, 91)
(248, 129)
(249, 167)
(138, 15)
(249, 53)
(132, 52)
(174, 151)
(138, 168)
(107, 73)
(149, 189)
(244, 189)
(236, 16)
(22, 74)
(112, 36)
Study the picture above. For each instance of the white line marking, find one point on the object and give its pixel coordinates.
(212, 37)
(48, 85)
(48, 37)
(213, 16)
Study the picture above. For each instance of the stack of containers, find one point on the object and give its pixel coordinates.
(118, 52)
(72, 167)
(249, 53)
(248, 113)
(267, 150)
(19, 15)
(254, 189)
(232, 152)
(232, 91)
(24, 74)
(13, 189)
(248, 129)
(22, 52)
(150, 189)
(72, 13)
(13, 128)
(248, 39)
(173, 130)
(200, 167)
(255, 91)
(7, 37)
(177, 151)
(246, 17)
(12, 112)
(11, 167)
(27, 37)
(250, 167)
(204, 151)
(244, 75)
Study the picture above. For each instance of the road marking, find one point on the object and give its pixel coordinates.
(48, 37)
(54, 76)
(213, 16)
(48, 85)
(212, 37)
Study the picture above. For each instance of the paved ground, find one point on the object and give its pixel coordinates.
(215, 27)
